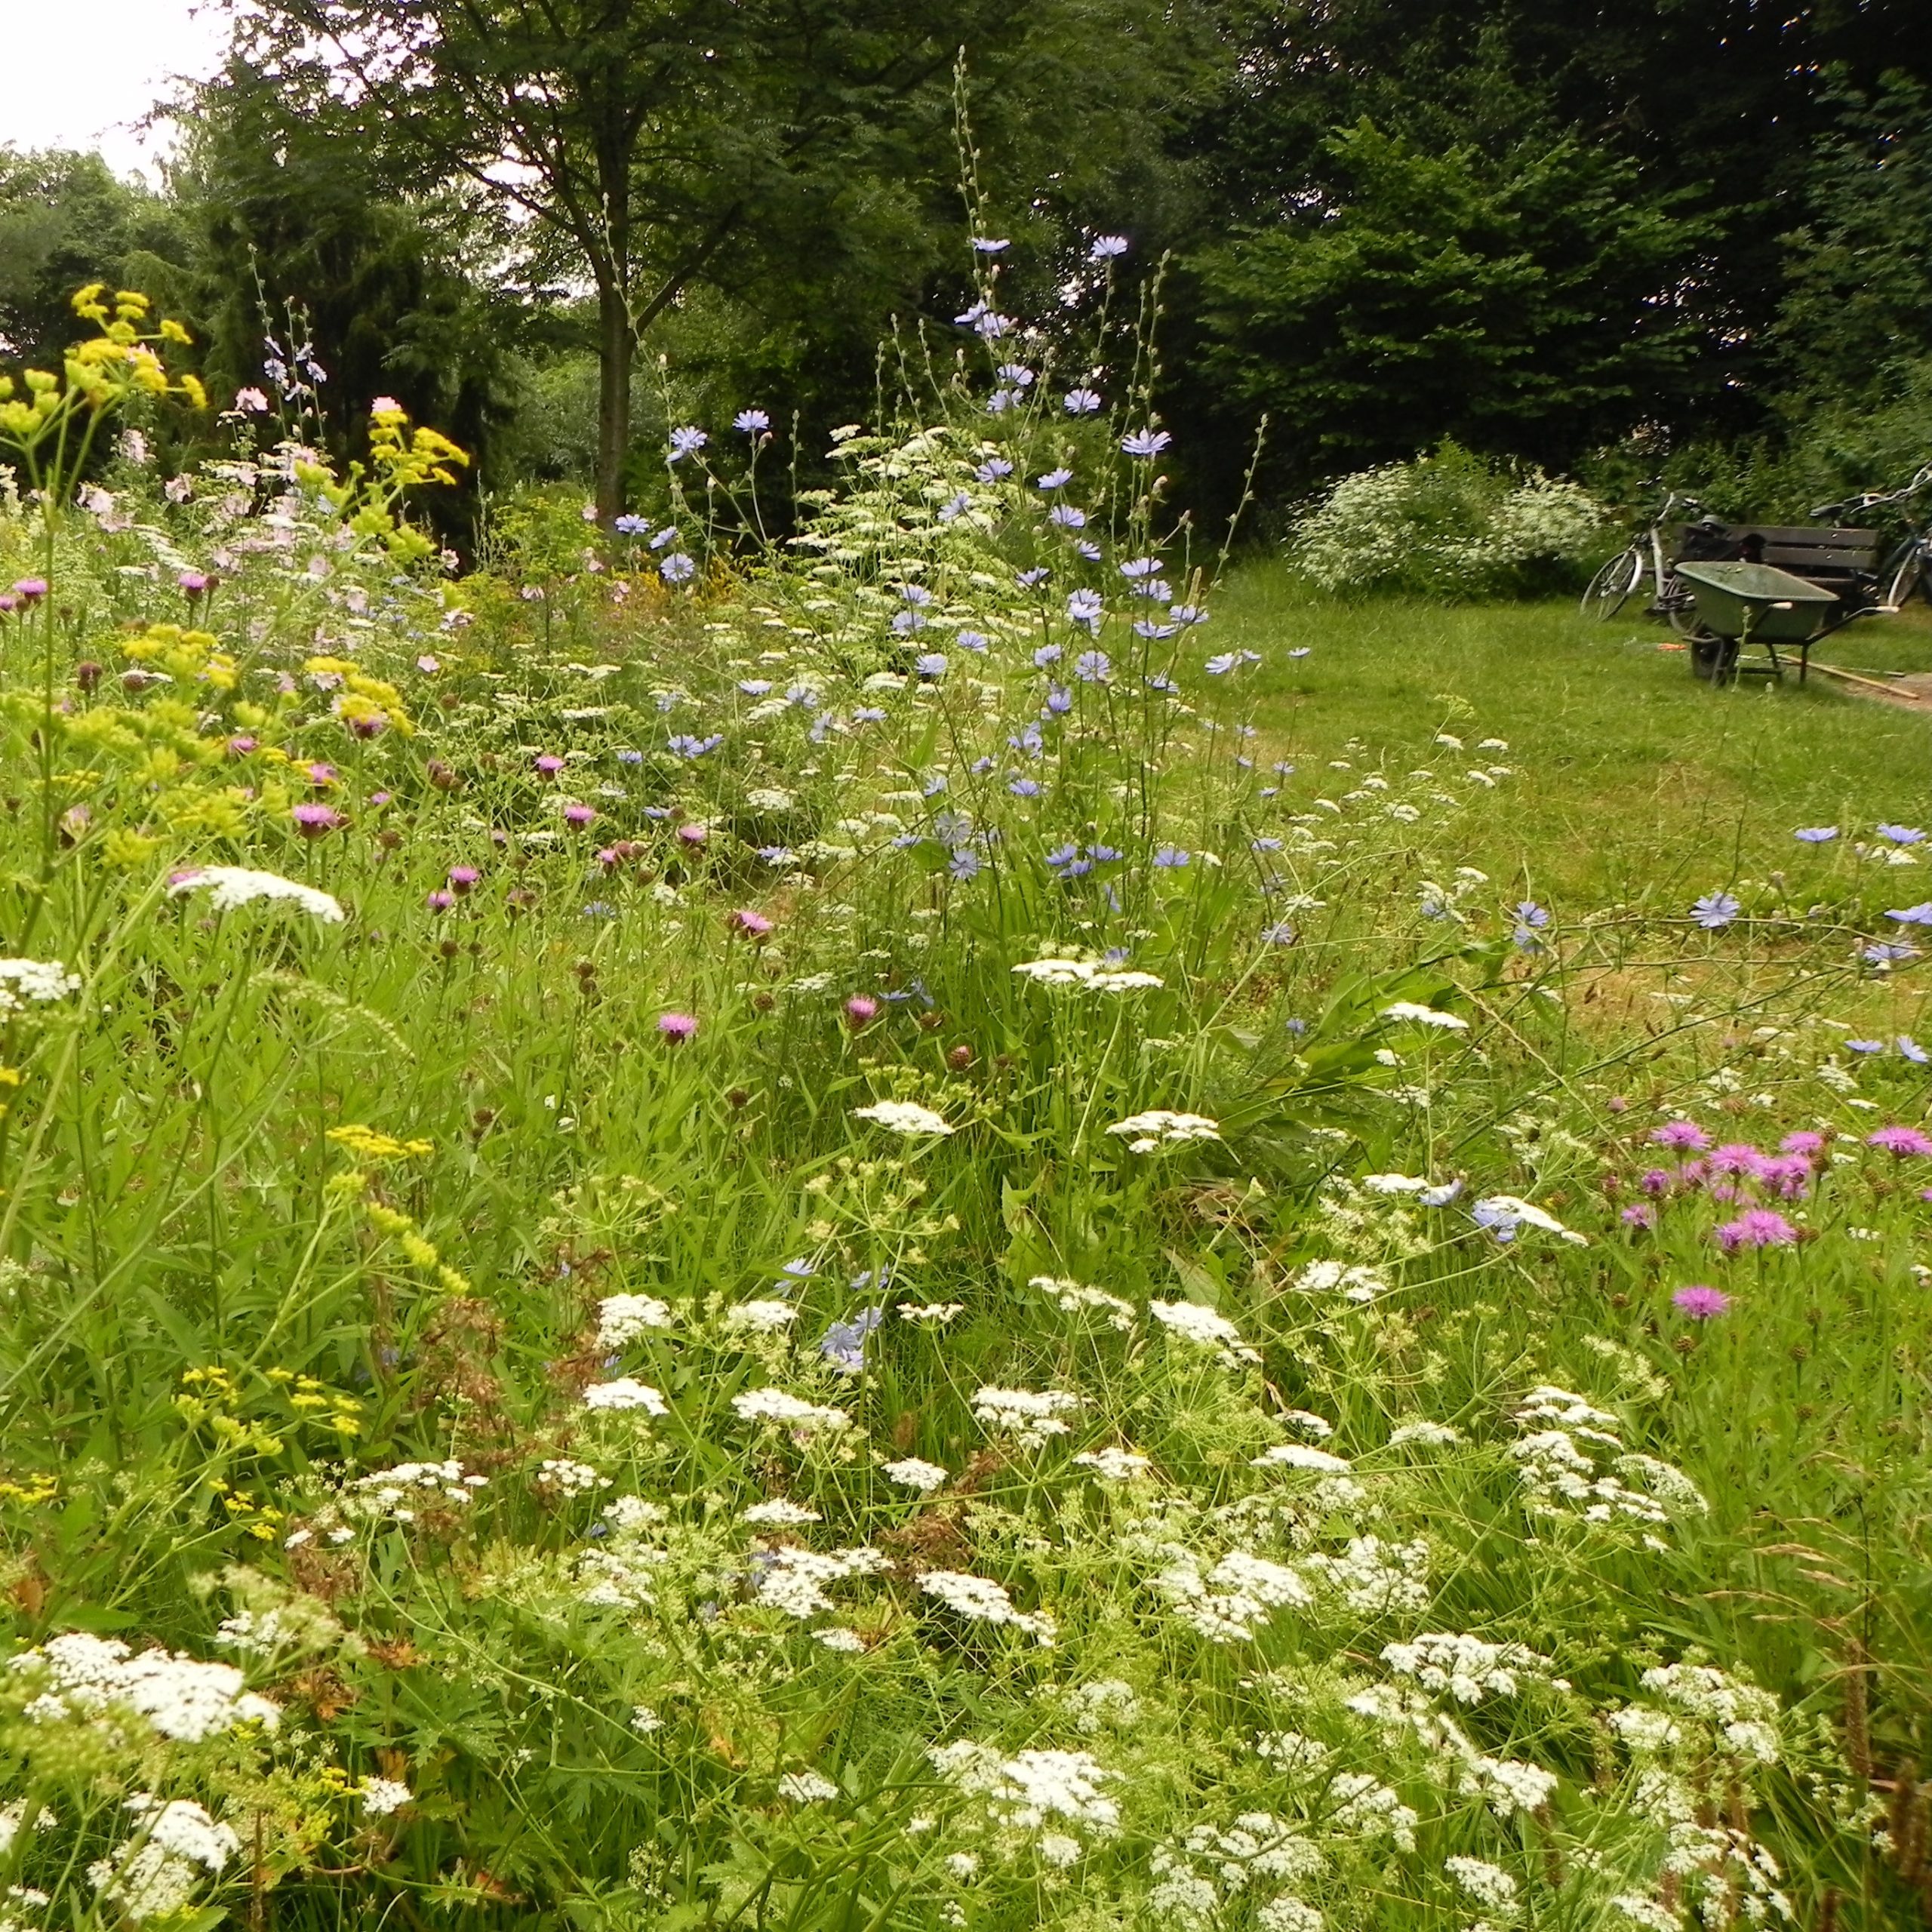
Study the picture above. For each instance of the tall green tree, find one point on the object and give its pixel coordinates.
(647, 143)
(1514, 303)
(394, 282)
(65, 219)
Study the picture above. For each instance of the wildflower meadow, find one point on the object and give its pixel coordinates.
(847, 1231)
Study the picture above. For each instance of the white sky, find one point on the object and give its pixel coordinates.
(79, 75)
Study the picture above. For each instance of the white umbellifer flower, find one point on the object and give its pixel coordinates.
(253, 1636)
(911, 1473)
(779, 1514)
(1503, 1213)
(1393, 1183)
(1159, 1128)
(1300, 1456)
(39, 981)
(769, 798)
(1233, 1600)
(837, 1639)
(1075, 1298)
(1292, 1754)
(1320, 1427)
(1114, 1464)
(1029, 1415)
(906, 1117)
(1288, 1914)
(767, 1317)
(181, 1697)
(791, 1412)
(230, 886)
(569, 1478)
(795, 1581)
(1429, 1434)
(806, 1788)
(621, 1319)
(631, 1515)
(382, 1796)
(1425, 1016)
(1353, 1283)
(1467, 1669)
(1205, 1329)
(1744, 1718)
(1085, 973)
(931, 1314)
(625, 1393)
(1374, 1578)
(1646, 1914)
(396, 1492)
(1488, 1884)
(1508, 1784)
(1026, 1790)
(1059, 1850)
(1106, 1703)
(1367, 1809)
(157, 1871)
(644, 1720)
(981, 1601)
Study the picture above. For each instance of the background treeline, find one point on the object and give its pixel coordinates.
(1611, 239)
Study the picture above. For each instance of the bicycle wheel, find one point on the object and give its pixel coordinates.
(1907, 579)
(1678, 606)
(1610, 588)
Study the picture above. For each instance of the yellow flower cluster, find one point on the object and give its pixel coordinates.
(369, 1143)
(417, 1249)
(103, 370)
(364, 700)
(402, 459)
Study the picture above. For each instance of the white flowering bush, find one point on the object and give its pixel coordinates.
(1448, 525)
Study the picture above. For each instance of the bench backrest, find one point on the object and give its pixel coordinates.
(1805, 551)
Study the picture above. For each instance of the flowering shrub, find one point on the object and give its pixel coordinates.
(1450, 525)
(806, 1237)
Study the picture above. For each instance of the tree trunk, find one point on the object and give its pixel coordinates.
(614, 399)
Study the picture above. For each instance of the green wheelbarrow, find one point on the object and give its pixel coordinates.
(1739, 605)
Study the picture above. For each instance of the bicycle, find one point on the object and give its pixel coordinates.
(1647, 556)
(1907, 568)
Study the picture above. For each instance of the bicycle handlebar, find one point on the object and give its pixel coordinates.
(1874, 500)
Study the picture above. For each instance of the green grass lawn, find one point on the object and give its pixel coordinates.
(1636, 776)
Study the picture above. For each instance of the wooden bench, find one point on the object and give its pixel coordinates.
(1834, 559)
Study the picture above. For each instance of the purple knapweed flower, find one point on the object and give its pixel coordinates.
(748, 924)
(1900, 1142)
(1701, 1304)
(313, 820)
(1680, 1134)
(1756, 1227)
(579, 815)
(1654, 1181)
(677, 1028)
(860, 1011)
(1640, 1215)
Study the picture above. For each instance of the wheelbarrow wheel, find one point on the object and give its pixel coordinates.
(1713, 658)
